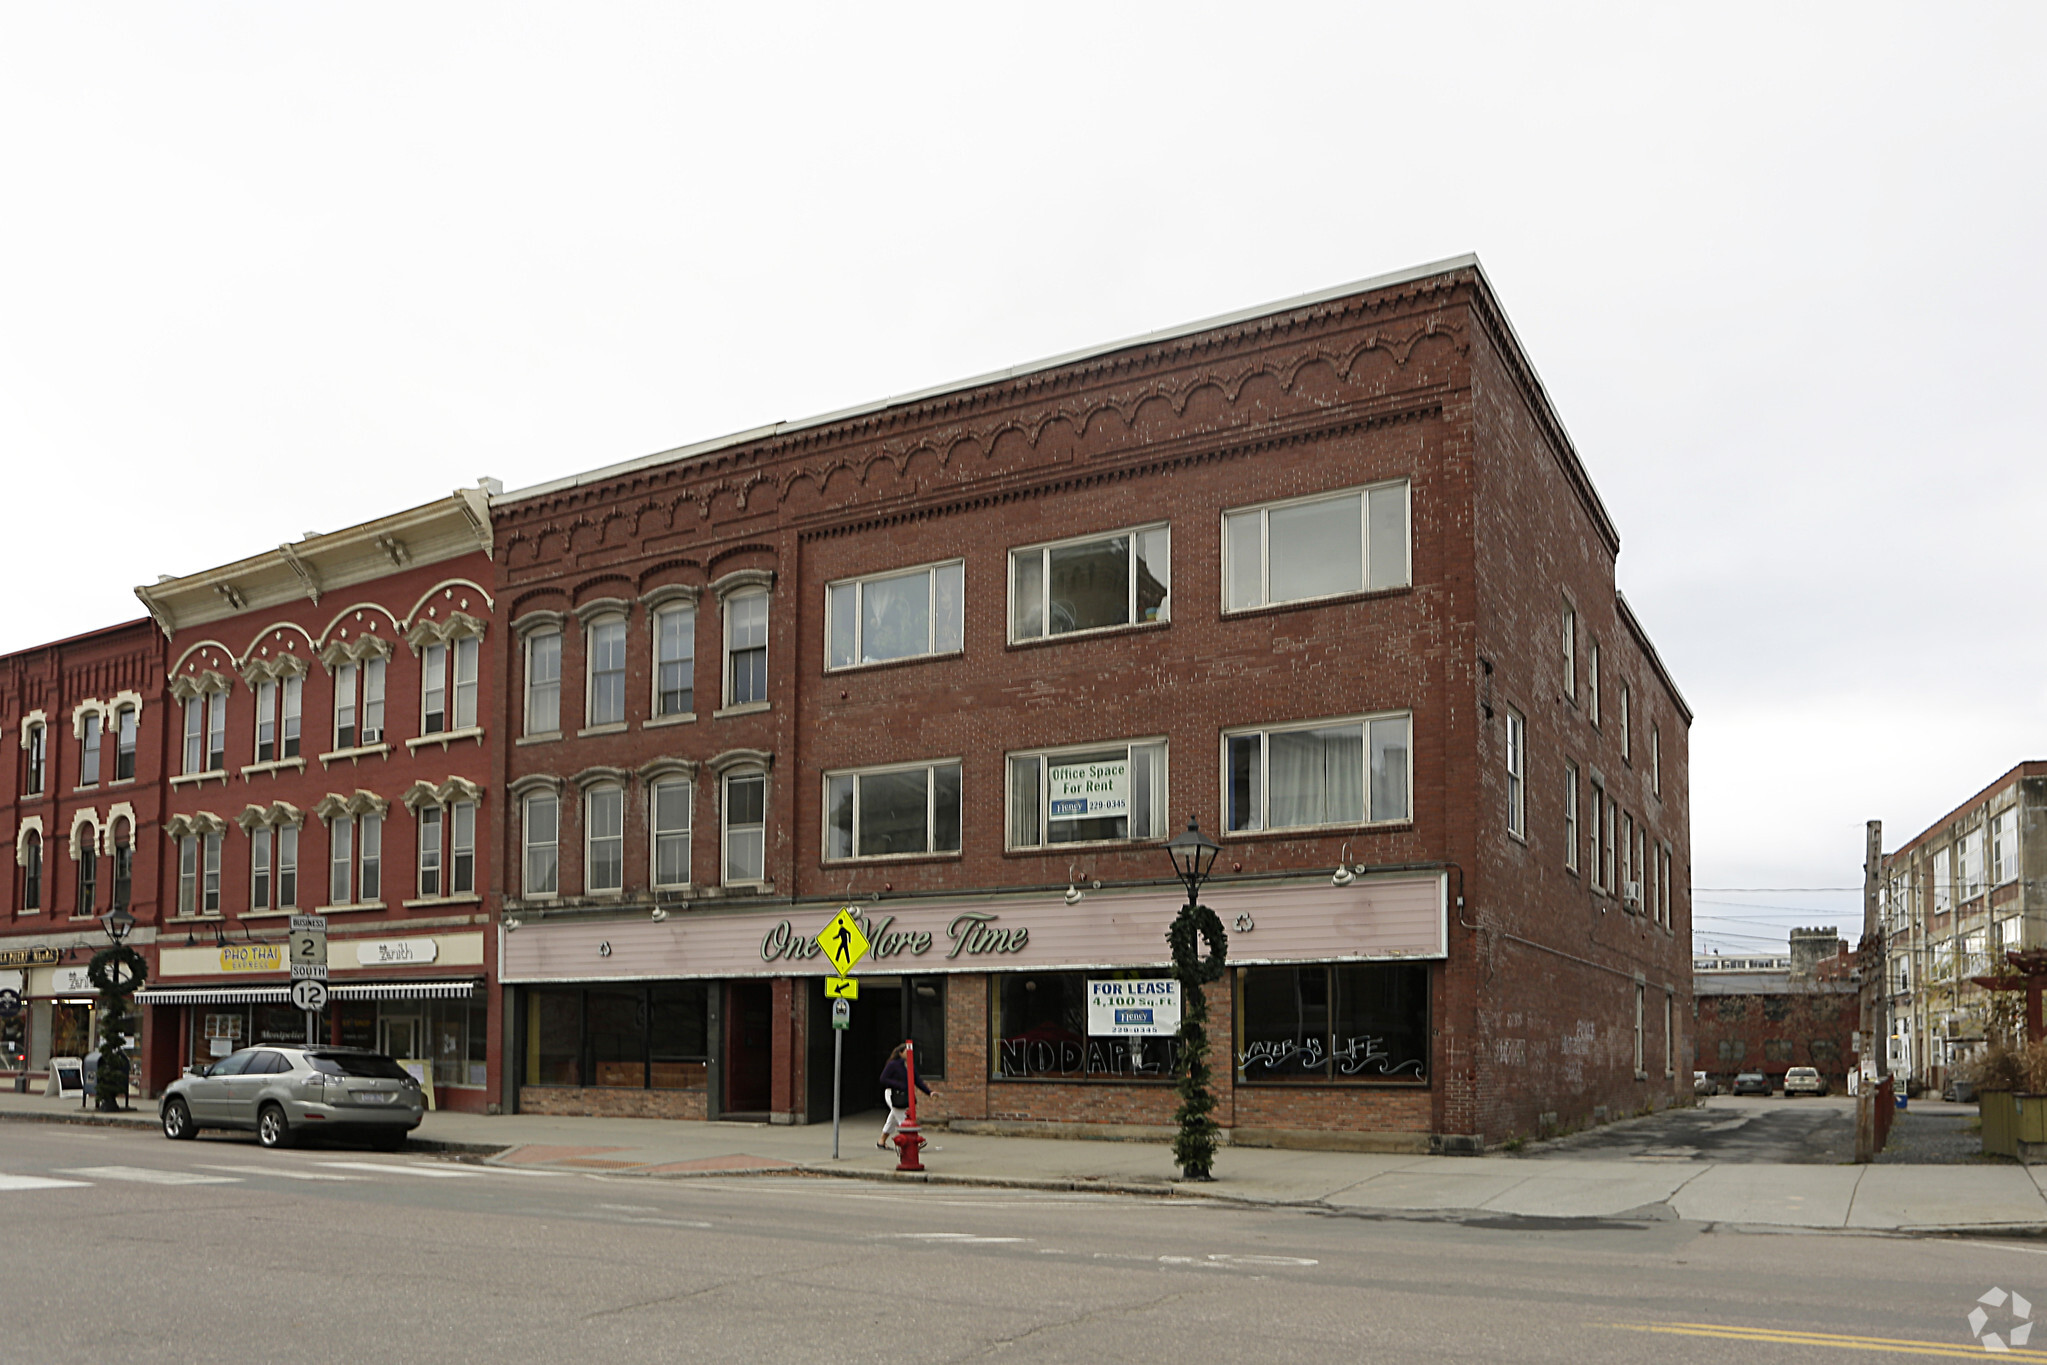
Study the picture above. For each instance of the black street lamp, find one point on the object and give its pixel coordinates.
(1193, 854)
(117, 922)
(117, 971)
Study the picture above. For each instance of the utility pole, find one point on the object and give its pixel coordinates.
(1869, 1066)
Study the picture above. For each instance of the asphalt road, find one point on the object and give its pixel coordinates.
(126, 1247)
(1813, 1130)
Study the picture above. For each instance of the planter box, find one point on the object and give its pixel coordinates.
(2014, 1125)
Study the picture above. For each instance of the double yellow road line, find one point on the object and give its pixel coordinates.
(1972, 1350)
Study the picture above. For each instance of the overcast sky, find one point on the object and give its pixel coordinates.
(278, 268)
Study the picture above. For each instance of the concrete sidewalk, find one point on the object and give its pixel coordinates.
(1953, 1198)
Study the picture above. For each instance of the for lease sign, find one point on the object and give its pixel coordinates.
(1133, 1009)
(1090, 791)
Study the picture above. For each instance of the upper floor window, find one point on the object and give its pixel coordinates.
(355, 857)
(36, 740)
(359, 705)
(1090, 584)
(124, 743)
(607, 672)
(199, 874)
(1087, 795)
(1592, 683)
(604, 840)
(1570, 817)
(541, 828)
(1626, 720)
(87, 855)
(896, 615)
(746, 827)
(32, 870)
(447, 686)
(543, 683)
(447, 850)
(1321, 546)
(429, 864)
(206, 733)
(1655, 759)
(893, 812)
(669, 818)
(2004, 847)
(1570, 626)
(1517, 774)
(746, 648)
(89, 752)
(124, 864)
(266, 721)
(262, 845)
(1347, 772)
(675, 660)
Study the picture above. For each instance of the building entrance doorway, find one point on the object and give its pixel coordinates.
(749, 1048)
(890, 1009)
(398, 1035)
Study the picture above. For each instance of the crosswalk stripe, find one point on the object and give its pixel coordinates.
(391, 1169)
(279, 1172)
(37, 1182)
(143, 1175)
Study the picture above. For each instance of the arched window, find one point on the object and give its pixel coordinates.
(124, 862)
(32, 871)
(86, 851)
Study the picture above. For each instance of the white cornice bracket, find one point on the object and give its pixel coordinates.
(305, 571)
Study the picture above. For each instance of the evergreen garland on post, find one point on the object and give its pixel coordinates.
(117, 971)
(1194, 1147)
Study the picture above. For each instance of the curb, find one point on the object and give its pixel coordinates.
(145, 1121)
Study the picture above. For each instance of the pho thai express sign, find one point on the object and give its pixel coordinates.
(1307, 920)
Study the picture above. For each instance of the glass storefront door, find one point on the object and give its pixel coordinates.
(399, 1035)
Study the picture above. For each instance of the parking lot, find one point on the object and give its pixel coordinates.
(1817, 1131)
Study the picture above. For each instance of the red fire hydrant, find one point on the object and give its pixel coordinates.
(908, 1139)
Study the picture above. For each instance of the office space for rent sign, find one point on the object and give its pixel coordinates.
(1133, 1009)
(1089, 791)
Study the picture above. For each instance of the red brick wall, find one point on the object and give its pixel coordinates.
(1773, 1031)
(614, 1104)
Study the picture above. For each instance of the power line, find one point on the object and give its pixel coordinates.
(1697, 889)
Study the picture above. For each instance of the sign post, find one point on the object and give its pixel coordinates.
(309, 969)
(844, 943)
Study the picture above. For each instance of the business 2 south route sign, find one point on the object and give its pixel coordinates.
(1133, 1009)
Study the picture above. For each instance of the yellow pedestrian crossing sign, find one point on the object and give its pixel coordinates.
(843, 942)
(841, 988)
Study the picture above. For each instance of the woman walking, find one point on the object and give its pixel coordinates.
(895, 1093)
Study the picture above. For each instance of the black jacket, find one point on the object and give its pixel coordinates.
(896, 1076)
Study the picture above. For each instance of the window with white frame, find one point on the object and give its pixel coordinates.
(359, 704)
(746, 648)
(1517, 774)
(1592, 682)
(206, 733)
(209, 882)
(1570, 817)
(1093, 794)
(341, 860)
(1612, 827)
(1627, 861)
(266, 721)
(1340, 772)
(1599, 840)
(188, 875)
(1969, 856)
(543, 683)
(746, 827)
(606, 640)
(262, 847)
(461, 824)
(124, 864)
(2004, 847)
(540, 828)
(195, 736)
(604, 840)
(32, 870)
(1090, 583)
(1321, 546)
(86, 869)
(355, 847)
(1669, 1034)
(36, 740)
(1655, 759)
(893, 812)
(899, 615)
(89, 751)
(1570, 627)
(429, 821)
(447, 685)
(433, 690)
(1640, 1004)
(675, 660)
(287, 866)
(125, 723)
(668, 810)
(1626, 720)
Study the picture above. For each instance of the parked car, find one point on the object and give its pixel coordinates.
(1804, 1080)
(1959, 1092)
(1703, 1083)
(1752, 1083)
(285, 1093)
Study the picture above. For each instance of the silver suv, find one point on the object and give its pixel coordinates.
(286, 1092)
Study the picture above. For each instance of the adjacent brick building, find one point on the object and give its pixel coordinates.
(81, 724)
(1802, 1010)
(1327, 576)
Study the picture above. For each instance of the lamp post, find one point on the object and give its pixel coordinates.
(117, 970)
(1193, 854)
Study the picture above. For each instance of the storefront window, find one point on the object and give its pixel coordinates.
(1366, 1021)
(1041, 1033)
(70, 1029)
(626, 1037)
